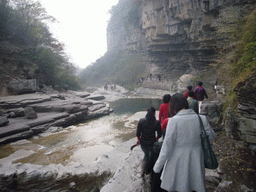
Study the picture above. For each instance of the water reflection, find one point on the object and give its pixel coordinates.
(134, 105)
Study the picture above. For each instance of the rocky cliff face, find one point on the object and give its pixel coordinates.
(175, 37)
(182, 38)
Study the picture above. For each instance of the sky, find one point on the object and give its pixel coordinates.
(82, 26)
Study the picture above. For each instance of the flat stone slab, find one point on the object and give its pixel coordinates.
(96, 97)
(24, 100)
(17, 125)
(69, 105)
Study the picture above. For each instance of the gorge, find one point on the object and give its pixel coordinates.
(154, 47)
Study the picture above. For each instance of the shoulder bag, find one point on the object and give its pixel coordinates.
(210, 160)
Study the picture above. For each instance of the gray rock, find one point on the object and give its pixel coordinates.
(231, 124)
(98, 113)
(72, 185)
(96, 97)
(23, 86)
(213, 111)
(20, 112)
(16, 137)
(247, 130)
(11, 115)
(224, 186)
(30, 113)
(3, 121)
(40, 129)
(1, 112)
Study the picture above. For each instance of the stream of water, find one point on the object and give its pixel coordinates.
(84, 142)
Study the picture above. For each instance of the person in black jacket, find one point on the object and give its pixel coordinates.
(146, 135)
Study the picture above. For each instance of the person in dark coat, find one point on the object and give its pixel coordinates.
(200, 94)
(146, 136)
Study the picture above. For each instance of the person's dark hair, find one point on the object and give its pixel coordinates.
(150, 116)
(191, 93)
(166, 98)
(189, 87)
(200, 83)
(178, 102)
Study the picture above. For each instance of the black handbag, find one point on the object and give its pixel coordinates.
(210, 160)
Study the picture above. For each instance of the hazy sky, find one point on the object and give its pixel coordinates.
(81, 27)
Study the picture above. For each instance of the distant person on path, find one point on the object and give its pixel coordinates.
(189, 88)
(146, 137)
(181, 155)
(192, 103)
(200, 94)
(164, 108)
(106, 87)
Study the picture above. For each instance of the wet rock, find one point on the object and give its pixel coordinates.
(16, 137)
(30, 113)
(3, 121)
(100, 112)
(55, 129)
(40, 129)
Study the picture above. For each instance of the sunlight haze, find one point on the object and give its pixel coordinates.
(81, 25)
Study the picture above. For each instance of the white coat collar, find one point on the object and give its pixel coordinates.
(186, 112)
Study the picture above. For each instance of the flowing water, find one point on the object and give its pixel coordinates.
(84, 142)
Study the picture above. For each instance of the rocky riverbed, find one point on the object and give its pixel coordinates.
(115, 170)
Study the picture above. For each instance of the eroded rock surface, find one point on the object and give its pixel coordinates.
(43, 111)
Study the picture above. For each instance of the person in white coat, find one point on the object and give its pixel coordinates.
(181, 155)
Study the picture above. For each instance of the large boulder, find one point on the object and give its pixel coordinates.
(21, 86)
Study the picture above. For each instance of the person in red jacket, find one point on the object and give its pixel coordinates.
(164, 108)
(189, 88)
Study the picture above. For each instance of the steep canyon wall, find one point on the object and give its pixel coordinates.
(175, 37)
(185, 37)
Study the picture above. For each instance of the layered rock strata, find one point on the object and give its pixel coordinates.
(51, 111)
(176, 37)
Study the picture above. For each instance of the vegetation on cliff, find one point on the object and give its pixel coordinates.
(116, 68)
(28, 49)
(242, 62)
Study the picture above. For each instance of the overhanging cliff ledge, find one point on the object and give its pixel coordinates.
(175, 37)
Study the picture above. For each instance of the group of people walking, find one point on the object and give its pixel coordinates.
(176, 163)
